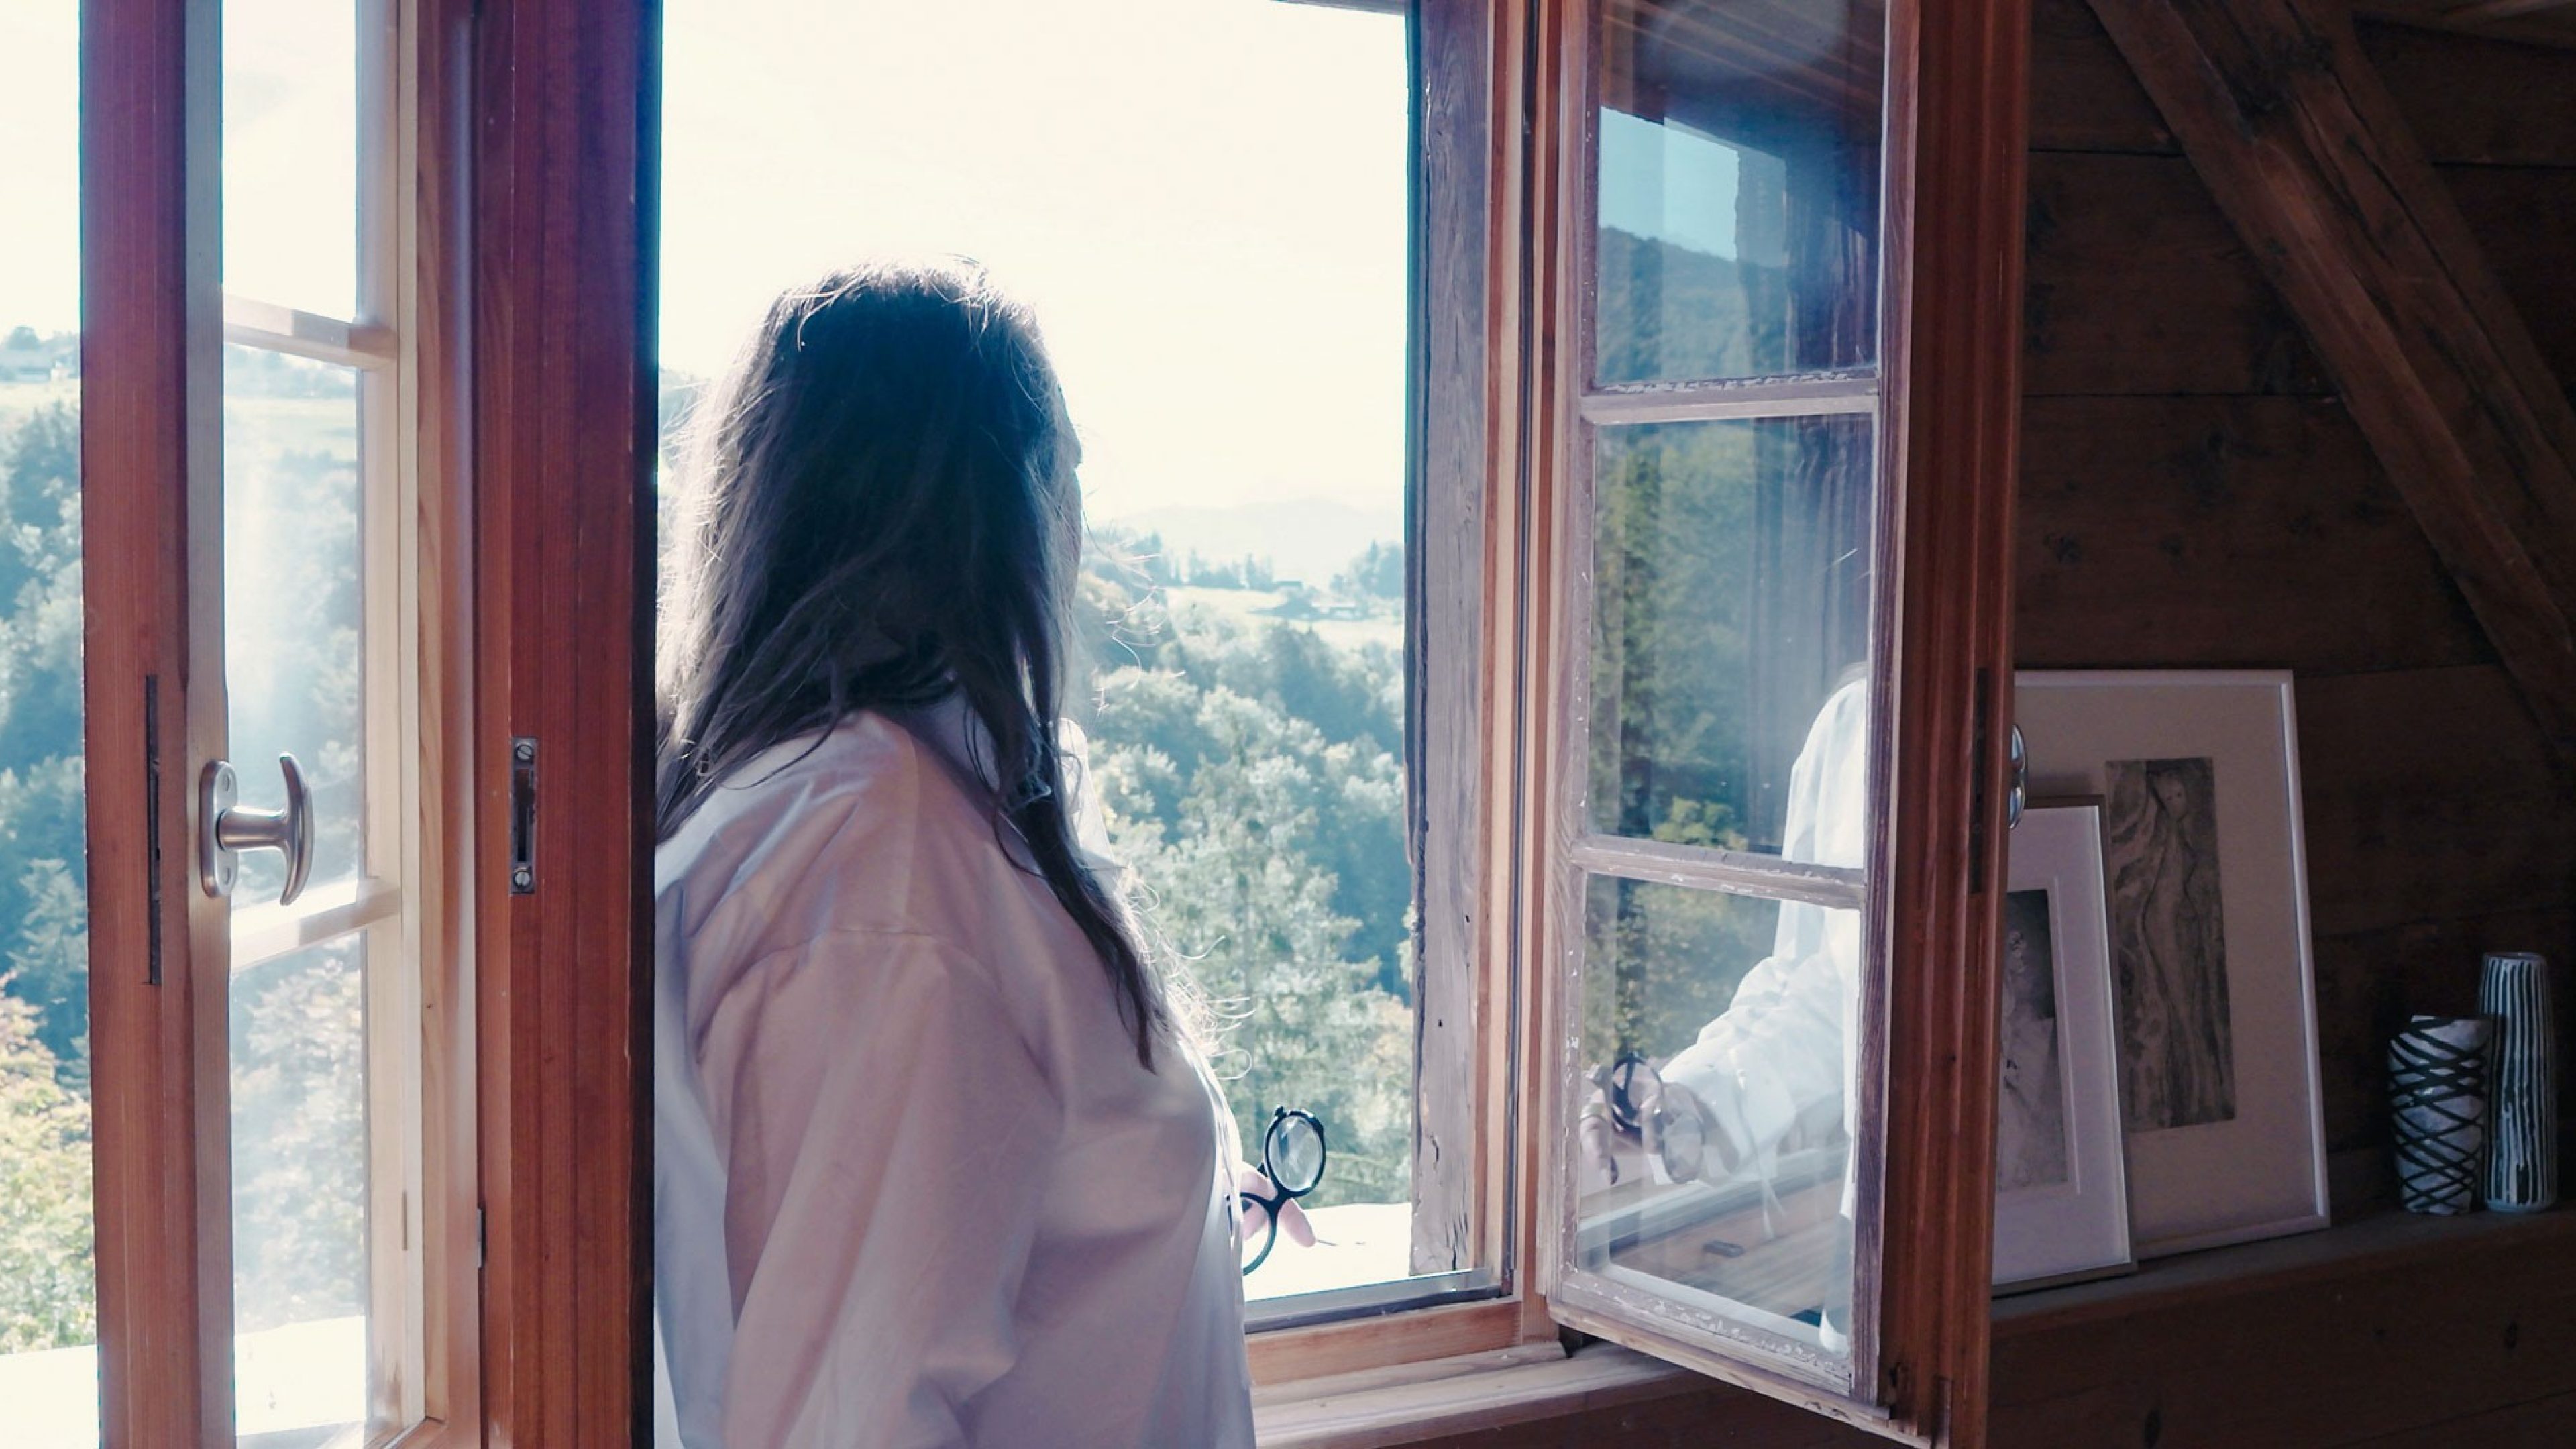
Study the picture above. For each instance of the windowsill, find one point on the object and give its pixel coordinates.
(2369, 1244)
(1462, 1395)
(1411, 1403)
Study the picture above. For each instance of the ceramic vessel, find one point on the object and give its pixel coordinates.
(2522, 1085)
(2437, 1100)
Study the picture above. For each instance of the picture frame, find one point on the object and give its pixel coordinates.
(2061, 1182)
(2214, 983)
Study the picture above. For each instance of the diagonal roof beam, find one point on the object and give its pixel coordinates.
(2308, 156)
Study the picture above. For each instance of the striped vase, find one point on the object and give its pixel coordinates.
(2522, 1156)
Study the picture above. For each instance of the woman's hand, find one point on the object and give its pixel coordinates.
(1293, 1225)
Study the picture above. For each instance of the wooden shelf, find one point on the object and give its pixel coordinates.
(2376, 1243)
(2393, 1331)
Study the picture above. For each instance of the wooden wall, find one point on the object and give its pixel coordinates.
(2193, 496)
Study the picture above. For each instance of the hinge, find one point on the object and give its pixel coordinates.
(523, 815)
(481, 1240)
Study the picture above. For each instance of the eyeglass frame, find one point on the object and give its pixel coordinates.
(1648, 1118)
(1281, 1195)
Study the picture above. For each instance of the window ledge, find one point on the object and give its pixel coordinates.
(1460, 1395)
(2372, 1244)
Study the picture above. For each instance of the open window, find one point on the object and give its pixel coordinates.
(1743, 704)
(1519, 462)
(279, 1139)
(1222, 218)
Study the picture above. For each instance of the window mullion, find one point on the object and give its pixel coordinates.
(1705, 868)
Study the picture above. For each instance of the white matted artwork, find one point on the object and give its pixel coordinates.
(2061, 1191)
(2212, 982)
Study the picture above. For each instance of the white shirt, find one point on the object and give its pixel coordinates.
(1782, 1056)
(912, 1185)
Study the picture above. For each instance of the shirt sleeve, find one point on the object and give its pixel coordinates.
(889, 1135)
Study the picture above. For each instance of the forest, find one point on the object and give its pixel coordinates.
(1246, 742)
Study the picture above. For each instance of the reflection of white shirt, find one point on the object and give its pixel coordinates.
(1780, 1055)
(912, 1186)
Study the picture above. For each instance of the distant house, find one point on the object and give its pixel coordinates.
(25, 357)
(26, 364)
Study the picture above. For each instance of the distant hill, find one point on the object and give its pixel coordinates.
(1306, 539)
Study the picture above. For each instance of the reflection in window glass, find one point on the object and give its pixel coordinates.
(1714, 1153)
(1738, 188)
(300, 1189)
(1731, 596)
(290, 192)
(1205, 203)
(48, 1297)
(292, 606)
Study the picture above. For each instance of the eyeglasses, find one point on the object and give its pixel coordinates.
(1668, 1122)
(1292, 1157)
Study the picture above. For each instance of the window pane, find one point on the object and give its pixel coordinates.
(1738, 187)
(1204, 201)
(290, 194)
(292, 605)
(300, 1190)
(1730, 635)
(1714, 1157)
(48, 1312)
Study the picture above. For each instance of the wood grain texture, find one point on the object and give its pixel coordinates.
(2368, 982)
(2137, 285)
(2430, 795)
(2213, 532)
(152, 560)
(2478, 100)
(2307, 155)
(1450, 699)
(2302, 1341)
(564, 421)
(2520, 217)
(2471, 100)
(441, 65)
(1957, 158)
(2545, 22)
(2083, 96)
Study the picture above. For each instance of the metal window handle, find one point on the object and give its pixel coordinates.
(225, 829)
(2019, 796)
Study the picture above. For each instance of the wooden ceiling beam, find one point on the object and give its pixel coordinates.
(2315, 167)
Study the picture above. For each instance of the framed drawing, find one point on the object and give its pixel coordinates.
(2061, 1189)
(2213, 987)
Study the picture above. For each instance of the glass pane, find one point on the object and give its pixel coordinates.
(1714, 1151)
(1205, 276)
(290, 193)
(299, 1088)
(1738, 187)
(292, 606)
(48, 1299)
(1730, 635)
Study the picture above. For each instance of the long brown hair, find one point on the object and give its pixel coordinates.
(882, 513)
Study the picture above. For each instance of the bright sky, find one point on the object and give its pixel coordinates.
(1204, 200)
(1662, 181)
(40, 164)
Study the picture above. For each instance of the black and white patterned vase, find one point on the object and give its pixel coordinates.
(2522, 1084)
(2437, 1101)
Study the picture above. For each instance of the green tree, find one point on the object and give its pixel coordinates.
(41, 851)
(1234, 893)
(1378, 573)
(47, 1293)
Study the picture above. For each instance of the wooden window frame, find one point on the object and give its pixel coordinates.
(154, 332)
(544, 395)
(552, 142)
(1948, 397)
